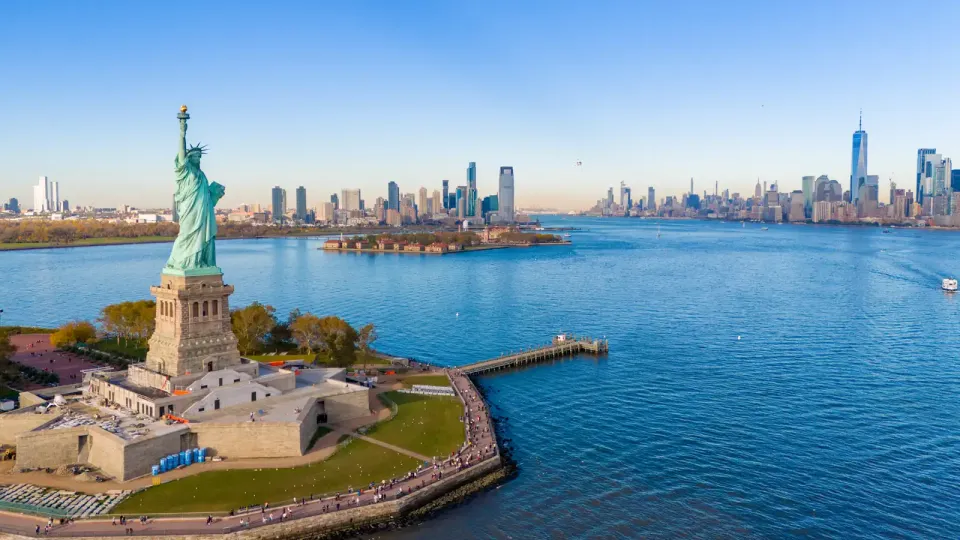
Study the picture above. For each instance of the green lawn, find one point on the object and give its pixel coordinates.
(427, 425)
(14, 330)
(126, 348)
(7, 393)
(324, 360)
(429, 380)
(86, 242)
(356, 465)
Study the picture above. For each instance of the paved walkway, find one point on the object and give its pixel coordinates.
(389, 446)
(480, 446)
(35, 350)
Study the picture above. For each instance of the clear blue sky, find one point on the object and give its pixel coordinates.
(354, 94)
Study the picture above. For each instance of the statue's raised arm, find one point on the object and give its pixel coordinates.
(183, 116)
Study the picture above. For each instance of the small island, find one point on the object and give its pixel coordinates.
(442, 243)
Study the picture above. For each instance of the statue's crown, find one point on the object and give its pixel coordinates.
(200, 149)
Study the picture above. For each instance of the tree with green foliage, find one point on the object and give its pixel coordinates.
(307, 332)
(8, 371)
(251, 325)
(129, 320)
(338, 340)
(73, 333)
(366, 336)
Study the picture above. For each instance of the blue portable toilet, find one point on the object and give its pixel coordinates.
(163, 465)
(203, 454)
(176, 460)
(196, 455)
(183, 457)
(170, 464)
(155, 470)
(188, 455)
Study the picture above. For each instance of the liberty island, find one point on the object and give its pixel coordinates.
(197, 416)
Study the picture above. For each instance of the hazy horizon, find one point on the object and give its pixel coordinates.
(358, 94)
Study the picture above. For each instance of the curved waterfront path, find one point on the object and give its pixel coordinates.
(480, 445)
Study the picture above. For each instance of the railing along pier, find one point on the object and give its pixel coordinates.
(562, 345)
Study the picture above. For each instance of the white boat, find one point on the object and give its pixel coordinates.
(658, 230)
(949, 285)
(764, 228)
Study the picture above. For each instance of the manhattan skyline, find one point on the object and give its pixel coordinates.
(646, 95)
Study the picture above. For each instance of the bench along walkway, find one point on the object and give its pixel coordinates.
(563, 345)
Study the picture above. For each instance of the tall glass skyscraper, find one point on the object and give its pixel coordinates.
(922, 154)
(471, 189)
(301, 203)
(446, 194)
(505, 195)
(279, 206)
(858, 167)
(393, 196)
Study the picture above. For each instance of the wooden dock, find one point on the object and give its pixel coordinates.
(563, 345)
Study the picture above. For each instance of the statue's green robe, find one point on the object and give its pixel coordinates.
(195, 198)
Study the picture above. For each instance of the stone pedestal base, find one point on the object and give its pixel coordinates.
(193, 332)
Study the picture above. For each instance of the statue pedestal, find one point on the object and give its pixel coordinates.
(193, 332)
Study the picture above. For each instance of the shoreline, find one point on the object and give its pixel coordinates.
(484, 247)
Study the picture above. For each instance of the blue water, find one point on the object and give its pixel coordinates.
(837, 413)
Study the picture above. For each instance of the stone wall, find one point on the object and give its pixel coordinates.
(17, 422)
(344, 407)
(249, 439)
(106, 452)
(49, 448)
(28, 399)
(140, 455)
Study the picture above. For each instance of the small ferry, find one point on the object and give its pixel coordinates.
(764, 228)
(949, 285)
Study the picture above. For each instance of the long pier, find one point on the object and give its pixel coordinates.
(562, 345)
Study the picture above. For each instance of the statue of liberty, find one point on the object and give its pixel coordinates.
(194, 252)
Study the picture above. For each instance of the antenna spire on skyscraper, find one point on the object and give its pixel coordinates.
(861, 119)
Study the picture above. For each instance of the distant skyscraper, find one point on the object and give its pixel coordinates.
(489, 204)
(757, 193)
(808, 193)
(14, 205)
(461, 204)
(422, 207)
(302, 203)
(505, 195)
(922, 154)
(64, 205)
(858, 164)
(54, 199)
(446, 194)
(930, 163)
(41, 196)
(691, 186)
(350, 200)
(336, 201)
(451, 201)
(278, 205)
(436, 202)
(471, 189)
(609, 202)
(954, 180)
(651, 199)
(393, 196)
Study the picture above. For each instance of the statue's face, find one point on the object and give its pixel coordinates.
(194, 158)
